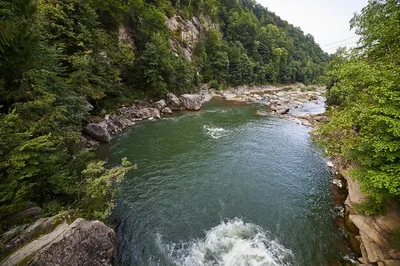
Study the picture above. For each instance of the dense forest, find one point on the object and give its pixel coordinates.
(364, 98)
(62, 61)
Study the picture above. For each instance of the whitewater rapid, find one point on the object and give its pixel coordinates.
(215, 132)
(231, 243)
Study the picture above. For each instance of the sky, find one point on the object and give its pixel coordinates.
(326, 20)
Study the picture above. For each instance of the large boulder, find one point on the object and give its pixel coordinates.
(173, 102)
(192, 102)
(81, 243)
(146, 113)
(161, 104)
(167, 110)
(98, 132)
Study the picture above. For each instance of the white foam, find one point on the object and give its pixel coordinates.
(232, 243)
(216, 132)
(337, 182)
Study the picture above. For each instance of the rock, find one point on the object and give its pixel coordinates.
(280, 109)
(114, 124)
(161, 104)
(262, 113)
(191, 102)
(150, 113)
(88, 142)
(320, 118)
(98, 132)
(354, 189)
(27, 233)
(392, 263)
(134, 114)
(372, 229)
(30, 211)
(329, 164)
(305, 122)
(394, 254)
(374, 252)
(33, 247)
(81, 243)
(173, 102)
(166, 110)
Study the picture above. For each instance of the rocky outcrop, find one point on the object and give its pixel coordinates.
(160, 105)
(192, 102)
(80, 243)
(187, 32)
(374, 232)
(173, 102)
(98, 132)
(21, 235)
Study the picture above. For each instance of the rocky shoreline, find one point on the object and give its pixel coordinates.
(272, 100)
(368, 235)
(126, 116)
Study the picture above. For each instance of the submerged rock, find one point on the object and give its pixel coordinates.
(191, 102)
(98, 132)
(262, 113)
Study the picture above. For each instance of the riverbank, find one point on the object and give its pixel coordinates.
(282, 101)
(370, 235)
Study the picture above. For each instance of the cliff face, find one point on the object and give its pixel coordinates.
(374, 232)
(187, 33)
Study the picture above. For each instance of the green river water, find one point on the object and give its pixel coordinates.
(224, 187)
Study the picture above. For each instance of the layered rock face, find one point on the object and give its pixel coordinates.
(187, 32)
(50, 241)
(374, 232)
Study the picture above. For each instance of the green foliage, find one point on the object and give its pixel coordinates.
(98, 188)
(160, 71)
(395, 240)
(372, 206)
(365, 98)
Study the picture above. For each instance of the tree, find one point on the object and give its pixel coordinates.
(365, 126)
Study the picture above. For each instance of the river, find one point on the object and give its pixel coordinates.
(224, 187)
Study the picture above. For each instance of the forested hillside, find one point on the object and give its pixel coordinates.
(365, 105)
(63, 61)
